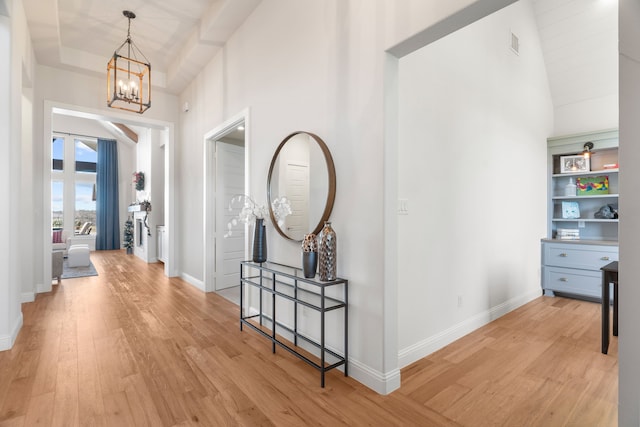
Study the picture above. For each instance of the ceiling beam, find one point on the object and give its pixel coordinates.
(127, 131)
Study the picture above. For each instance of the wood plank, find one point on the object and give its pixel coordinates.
(133, 347)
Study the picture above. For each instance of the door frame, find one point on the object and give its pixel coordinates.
(209, 190)
(168, 134)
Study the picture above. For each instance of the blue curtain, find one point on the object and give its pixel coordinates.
(107, 203)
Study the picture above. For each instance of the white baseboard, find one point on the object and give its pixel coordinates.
(199, 284)
(425, 347)
(40, 288)
(6, 341)
(381, 383)
(27, 297)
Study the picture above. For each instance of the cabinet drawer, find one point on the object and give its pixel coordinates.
(585, 257)
(577, 282)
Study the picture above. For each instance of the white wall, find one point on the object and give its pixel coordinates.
(318, 67)
(16, 75)
(629, 338)
(474, 118)
(27, 203)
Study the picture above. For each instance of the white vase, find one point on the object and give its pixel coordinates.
(570, 188)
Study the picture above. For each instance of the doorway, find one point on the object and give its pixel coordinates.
(226, 175)
(166, 135)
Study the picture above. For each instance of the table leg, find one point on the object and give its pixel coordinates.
(605, 312)
(615, 308)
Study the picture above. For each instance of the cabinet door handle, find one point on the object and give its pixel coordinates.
(605, 258)
(564, 279)
(563, 254)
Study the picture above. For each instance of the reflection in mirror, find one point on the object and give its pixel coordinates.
(302, 170)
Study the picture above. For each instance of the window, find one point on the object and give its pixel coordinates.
(86, 156)
(57, 154)
(73, 202)
(57, 203)
(85, 207)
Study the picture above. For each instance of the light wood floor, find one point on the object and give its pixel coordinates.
(133, 348)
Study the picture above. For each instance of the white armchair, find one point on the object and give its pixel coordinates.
(59, 240)
(63, 239)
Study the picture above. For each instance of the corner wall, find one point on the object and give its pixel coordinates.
(16, 74)
(629, 315)
(317, 67)
(473, 122)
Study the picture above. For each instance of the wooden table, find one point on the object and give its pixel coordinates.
(609, 275)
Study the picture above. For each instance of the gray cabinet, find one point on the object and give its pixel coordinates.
(579, 242)
(573, 268)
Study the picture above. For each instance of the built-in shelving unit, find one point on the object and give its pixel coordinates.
(572, 266)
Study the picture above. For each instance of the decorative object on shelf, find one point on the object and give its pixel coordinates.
(570, 188)
(568, 234)
(259, 242)
(327, 253)
(129, 77)
(573, 164)
(570, 210)
(251, 212)
(138, 180)
(593, 185)
(606, 212)
(309, 255)
(128, 236)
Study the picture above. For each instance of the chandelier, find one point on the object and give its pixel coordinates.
(129, 76)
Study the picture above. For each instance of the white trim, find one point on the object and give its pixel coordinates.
(380, 382)
(425, 347)
(209, 190)
(53, 107)
(198, 284)
(7, 341)
(27, 297)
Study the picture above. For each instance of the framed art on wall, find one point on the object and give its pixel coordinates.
(572, 164)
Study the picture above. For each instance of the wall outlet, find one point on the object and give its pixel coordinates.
(459, 301)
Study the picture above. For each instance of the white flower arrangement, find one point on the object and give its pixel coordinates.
(251, 211)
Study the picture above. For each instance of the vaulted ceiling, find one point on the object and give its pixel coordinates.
(579, 38)
(580, 47)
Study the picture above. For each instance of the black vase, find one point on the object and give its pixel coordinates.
(260, 242)
(309, 264)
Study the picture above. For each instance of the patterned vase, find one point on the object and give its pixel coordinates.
(260, 242)
(327, 253)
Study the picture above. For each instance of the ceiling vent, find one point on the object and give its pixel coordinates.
(515, 44)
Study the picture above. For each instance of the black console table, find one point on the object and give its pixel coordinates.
(282, 282)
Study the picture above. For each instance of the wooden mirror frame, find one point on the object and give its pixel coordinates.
(331, 193)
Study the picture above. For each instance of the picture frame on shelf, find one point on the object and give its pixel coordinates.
(570, 210)
(592, 185)
(574, 164)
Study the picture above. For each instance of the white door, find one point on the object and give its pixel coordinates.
(229, 182)
(297, 191)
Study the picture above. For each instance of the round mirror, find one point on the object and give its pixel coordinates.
(302, 170)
